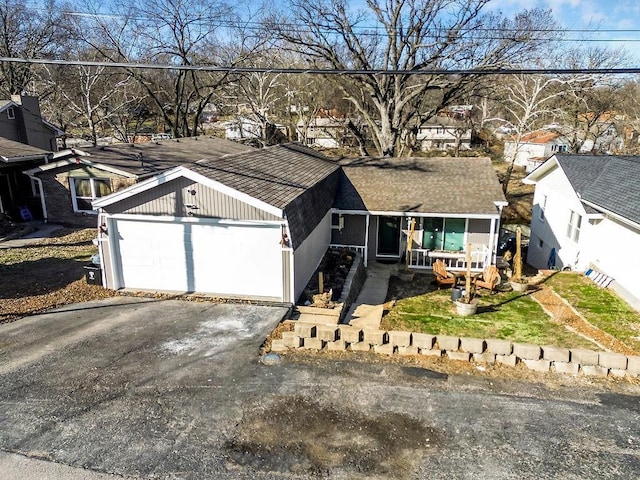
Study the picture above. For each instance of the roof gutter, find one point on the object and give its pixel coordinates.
(618, 217)
(40, 156)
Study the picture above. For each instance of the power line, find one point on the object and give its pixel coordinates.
(320, 71)
(371, 30)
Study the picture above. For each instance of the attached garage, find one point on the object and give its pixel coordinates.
(228, 258)
(251, 226)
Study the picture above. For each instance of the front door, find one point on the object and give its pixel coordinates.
(388, 236)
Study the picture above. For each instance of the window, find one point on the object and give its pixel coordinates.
(542, 204)
(540, 244)
(84, 190)
(11, 114)
(443, 233)
(573, 227)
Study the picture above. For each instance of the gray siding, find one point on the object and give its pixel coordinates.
(353, 232)
(287, 281)
(172, 198)
(373, 237)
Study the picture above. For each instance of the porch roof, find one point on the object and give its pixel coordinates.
(420, 185)
(14, 152)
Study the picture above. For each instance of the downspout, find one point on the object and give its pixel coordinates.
(43, 202)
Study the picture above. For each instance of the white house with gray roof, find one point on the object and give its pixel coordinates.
(257, 224)
(252, 225)
(586, 215)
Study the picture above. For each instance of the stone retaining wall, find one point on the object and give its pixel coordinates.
(487, 351)
(353, 282)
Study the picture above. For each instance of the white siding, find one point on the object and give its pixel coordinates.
(612, 249)
(552, 230)
(604, 244)
(308, 255)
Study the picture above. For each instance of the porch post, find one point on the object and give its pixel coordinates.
(366, 241)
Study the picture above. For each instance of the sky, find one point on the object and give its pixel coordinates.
(617, 21)
(608, 16)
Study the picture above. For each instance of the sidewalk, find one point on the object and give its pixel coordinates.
(367, 310)
(43, 230)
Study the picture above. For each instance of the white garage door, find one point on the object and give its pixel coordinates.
(224, 258)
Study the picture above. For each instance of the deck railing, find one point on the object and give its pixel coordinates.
(421, 258)
(361, 249)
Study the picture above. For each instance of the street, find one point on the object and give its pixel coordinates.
(139, 388)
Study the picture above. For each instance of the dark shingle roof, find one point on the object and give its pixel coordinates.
(275, 175)
(153, 157)
(11, 150)
(421, 185)
(290, 177)
(610, 182)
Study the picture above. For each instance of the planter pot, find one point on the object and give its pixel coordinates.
(406, 275)
(466, 309)
(519, 287)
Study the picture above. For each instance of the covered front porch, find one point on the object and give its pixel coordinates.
(417, 239)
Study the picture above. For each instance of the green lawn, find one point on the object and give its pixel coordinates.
(599, 306)
(505, 315)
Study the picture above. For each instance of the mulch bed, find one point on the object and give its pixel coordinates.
(335, 267)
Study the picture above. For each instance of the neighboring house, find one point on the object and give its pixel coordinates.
(21, 121)
(74, 178)
(443, 133)
(17, 192)
(256, 225)
(26, 140)
(325, 132)
(533, 148)
(597, 133)
(242, 128)
(586, 214)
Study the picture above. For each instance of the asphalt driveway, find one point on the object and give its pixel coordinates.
(169, 389)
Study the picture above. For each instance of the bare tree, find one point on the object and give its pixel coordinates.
(587, 110)
(261, 92)
(577, 101)
(93, 95)
(27, 32)
(198, 32)
(406, 36)
(527, 100)
(630, 113)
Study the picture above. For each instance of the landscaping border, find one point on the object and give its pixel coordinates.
(317, 336)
